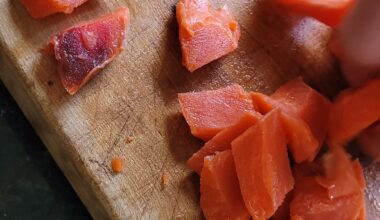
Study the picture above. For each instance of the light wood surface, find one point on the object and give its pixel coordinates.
(135, 97)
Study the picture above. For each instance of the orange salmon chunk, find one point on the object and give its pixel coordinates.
(301, 142)
(353, 111)
(209, 112)
(222, 141)
(329, 191)
(220, 192)
(205, 34)
(263, 166)
(43, 8)
(306, 103)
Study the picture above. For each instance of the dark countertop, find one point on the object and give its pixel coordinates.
(31, 184)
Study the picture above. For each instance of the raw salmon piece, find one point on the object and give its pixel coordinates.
(263, 166)
(369, 142)
(83, 50)
(311, 202)
(330, 12)
(306, 103)
(205, 34)
(301, 142)
(222, 141)
(340, 177)
(220, 192)
(43, 8)
(209, 112)
(353, 111)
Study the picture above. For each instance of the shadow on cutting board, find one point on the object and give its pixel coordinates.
(274, 48)
(296, 46)
(182, 145)
(46, 73)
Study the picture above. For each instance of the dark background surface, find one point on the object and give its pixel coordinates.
(31, 184)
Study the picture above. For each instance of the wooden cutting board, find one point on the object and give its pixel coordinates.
(131, 108)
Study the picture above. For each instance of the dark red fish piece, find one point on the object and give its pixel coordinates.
(83, 50)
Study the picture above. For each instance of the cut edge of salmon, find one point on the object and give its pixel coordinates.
(303, 100)
(207, 133)
(300, 152)
(221, 190)
(222, 140)
(269, 200)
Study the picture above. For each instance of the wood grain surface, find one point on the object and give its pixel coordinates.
(134, 98)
